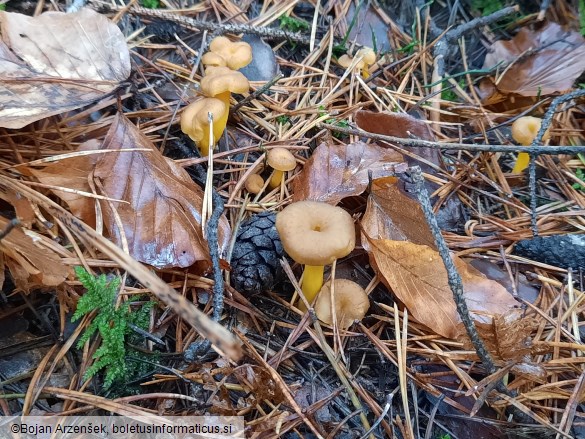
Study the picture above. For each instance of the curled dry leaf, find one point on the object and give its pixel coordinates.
(57, 62)
(162, 216)
(335, 172)
(545, 61)
(417, 276)
(429, 159)
(393, 215)
(31, 263)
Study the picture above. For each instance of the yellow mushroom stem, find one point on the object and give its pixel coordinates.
(312, 283)
(222, 121)
(522, 162)
(276, 179)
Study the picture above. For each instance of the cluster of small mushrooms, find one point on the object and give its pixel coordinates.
(363, 59)
(220, 81)
(315, 234)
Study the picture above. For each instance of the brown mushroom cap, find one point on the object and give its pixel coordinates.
(194, 116)
(315, 233)
(219, 80)
(222, 52)
(254, 183)
(524, 130)
(281, 159)
(351, 303)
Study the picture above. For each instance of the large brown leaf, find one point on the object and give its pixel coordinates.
(335, 172)
(57, 62)
(417, 276)
(31, 263)
(162, 219)
(393, 215)
(546, 61)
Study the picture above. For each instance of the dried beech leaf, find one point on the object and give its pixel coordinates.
(73, 173)
(556, 58)
(22, 206)
(30, 262)
(400, 125)
(417, 276)
(393, 215)
(335, 172)
(57, 62)
(162, 219)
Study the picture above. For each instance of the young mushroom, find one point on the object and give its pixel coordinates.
(195, 122)
(281, 160)
(315, 234)
(351, 303)
(368, 57)
(224, 53)
(524, 130)
(254, 183)
(220, 83)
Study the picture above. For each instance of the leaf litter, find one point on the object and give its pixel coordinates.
(154, 201)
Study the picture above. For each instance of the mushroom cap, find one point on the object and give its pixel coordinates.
(213, 59)
(281, 159)
(351, 303)
(254, 183)
(367, 54)
(219, 80)
(524, 130)
(315, 233)
(235, 55)
(194, 116)
(345, 61)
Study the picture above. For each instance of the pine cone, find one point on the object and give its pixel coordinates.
(257, 251)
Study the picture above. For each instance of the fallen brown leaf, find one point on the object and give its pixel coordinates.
(162, 216)
(72, 173)
(393, 215)
(418, 278)
(57, 62)
(545, 61)
(30, 262)
(400, 125)
(335, 172)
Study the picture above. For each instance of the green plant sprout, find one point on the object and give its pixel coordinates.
(111, 322)
(580, 173)
(486, 7)
(150, 4)
(293, 24)
(343, 123)
(283, 119)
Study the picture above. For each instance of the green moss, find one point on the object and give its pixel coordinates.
(486, 7)
(293, 24)
(111, 323)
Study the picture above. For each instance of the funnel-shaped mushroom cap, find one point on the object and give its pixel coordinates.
(219, 80)
(367, 55)
(524, 130)
(194, 119)
(351, 303)
(224, 53)
(315, 233)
